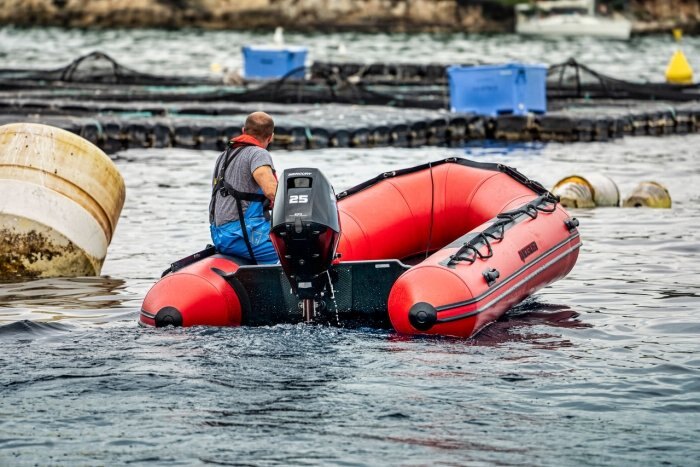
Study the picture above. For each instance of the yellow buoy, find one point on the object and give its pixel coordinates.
(650, 195)
(60, 200)
(594, 190)
(679, 70)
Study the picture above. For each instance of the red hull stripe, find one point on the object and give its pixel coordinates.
(146, 314)
(520, 271)
(499, 298)
(147, 322)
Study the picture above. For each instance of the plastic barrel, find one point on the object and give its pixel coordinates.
(650, 195)
(594, 190)
(60, 200)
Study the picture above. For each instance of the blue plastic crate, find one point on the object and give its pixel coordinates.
(266, 62)
(498, 89)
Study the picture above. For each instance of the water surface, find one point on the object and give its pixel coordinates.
(601, 368)
(192, 52)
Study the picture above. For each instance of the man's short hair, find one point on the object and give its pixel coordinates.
(259, 125)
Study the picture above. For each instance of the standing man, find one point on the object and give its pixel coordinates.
(243, 189)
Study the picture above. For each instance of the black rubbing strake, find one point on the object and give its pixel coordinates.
(168, 316)
(422, 316)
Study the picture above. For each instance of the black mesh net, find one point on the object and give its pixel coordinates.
(384, 73)
(93, 76)
(573, 80)
(97, 76)
(93, 68)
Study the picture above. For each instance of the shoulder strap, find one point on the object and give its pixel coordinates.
(226, 188)
(220, 184)
(244, 231)
(220, 173)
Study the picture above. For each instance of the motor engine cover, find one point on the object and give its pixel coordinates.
(305, 229)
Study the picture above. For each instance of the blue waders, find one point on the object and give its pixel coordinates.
(229, 239)
(249, 236)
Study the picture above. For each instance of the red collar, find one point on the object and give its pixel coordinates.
(246, 140)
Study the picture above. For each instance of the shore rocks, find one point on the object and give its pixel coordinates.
(315, 15)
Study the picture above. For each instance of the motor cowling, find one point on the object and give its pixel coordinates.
(305, 229)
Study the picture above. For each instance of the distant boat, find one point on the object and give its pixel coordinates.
(569, 18)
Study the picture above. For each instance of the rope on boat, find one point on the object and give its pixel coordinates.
(471, 249)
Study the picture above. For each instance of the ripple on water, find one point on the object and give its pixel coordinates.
(600, 368)
(191, 52)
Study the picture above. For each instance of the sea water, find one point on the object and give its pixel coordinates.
(600, 368)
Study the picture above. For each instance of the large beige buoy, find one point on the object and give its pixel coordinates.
(60, 200)
(590, 191)
(649, 195)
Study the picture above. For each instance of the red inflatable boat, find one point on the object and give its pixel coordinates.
(442, 248)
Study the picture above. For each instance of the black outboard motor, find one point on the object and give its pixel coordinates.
(305, 232)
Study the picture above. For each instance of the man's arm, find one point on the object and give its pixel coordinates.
(266, 179)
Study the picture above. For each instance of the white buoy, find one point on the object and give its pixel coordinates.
(60, 200)
(279, 36)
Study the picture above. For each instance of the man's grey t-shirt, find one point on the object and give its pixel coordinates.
(240, 175)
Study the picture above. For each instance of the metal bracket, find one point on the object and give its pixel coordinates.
(491, 275)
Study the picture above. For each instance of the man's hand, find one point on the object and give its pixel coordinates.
(266, 179)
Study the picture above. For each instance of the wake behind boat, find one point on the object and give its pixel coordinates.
(442, 248)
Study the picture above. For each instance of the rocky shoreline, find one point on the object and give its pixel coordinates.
(480, 16)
